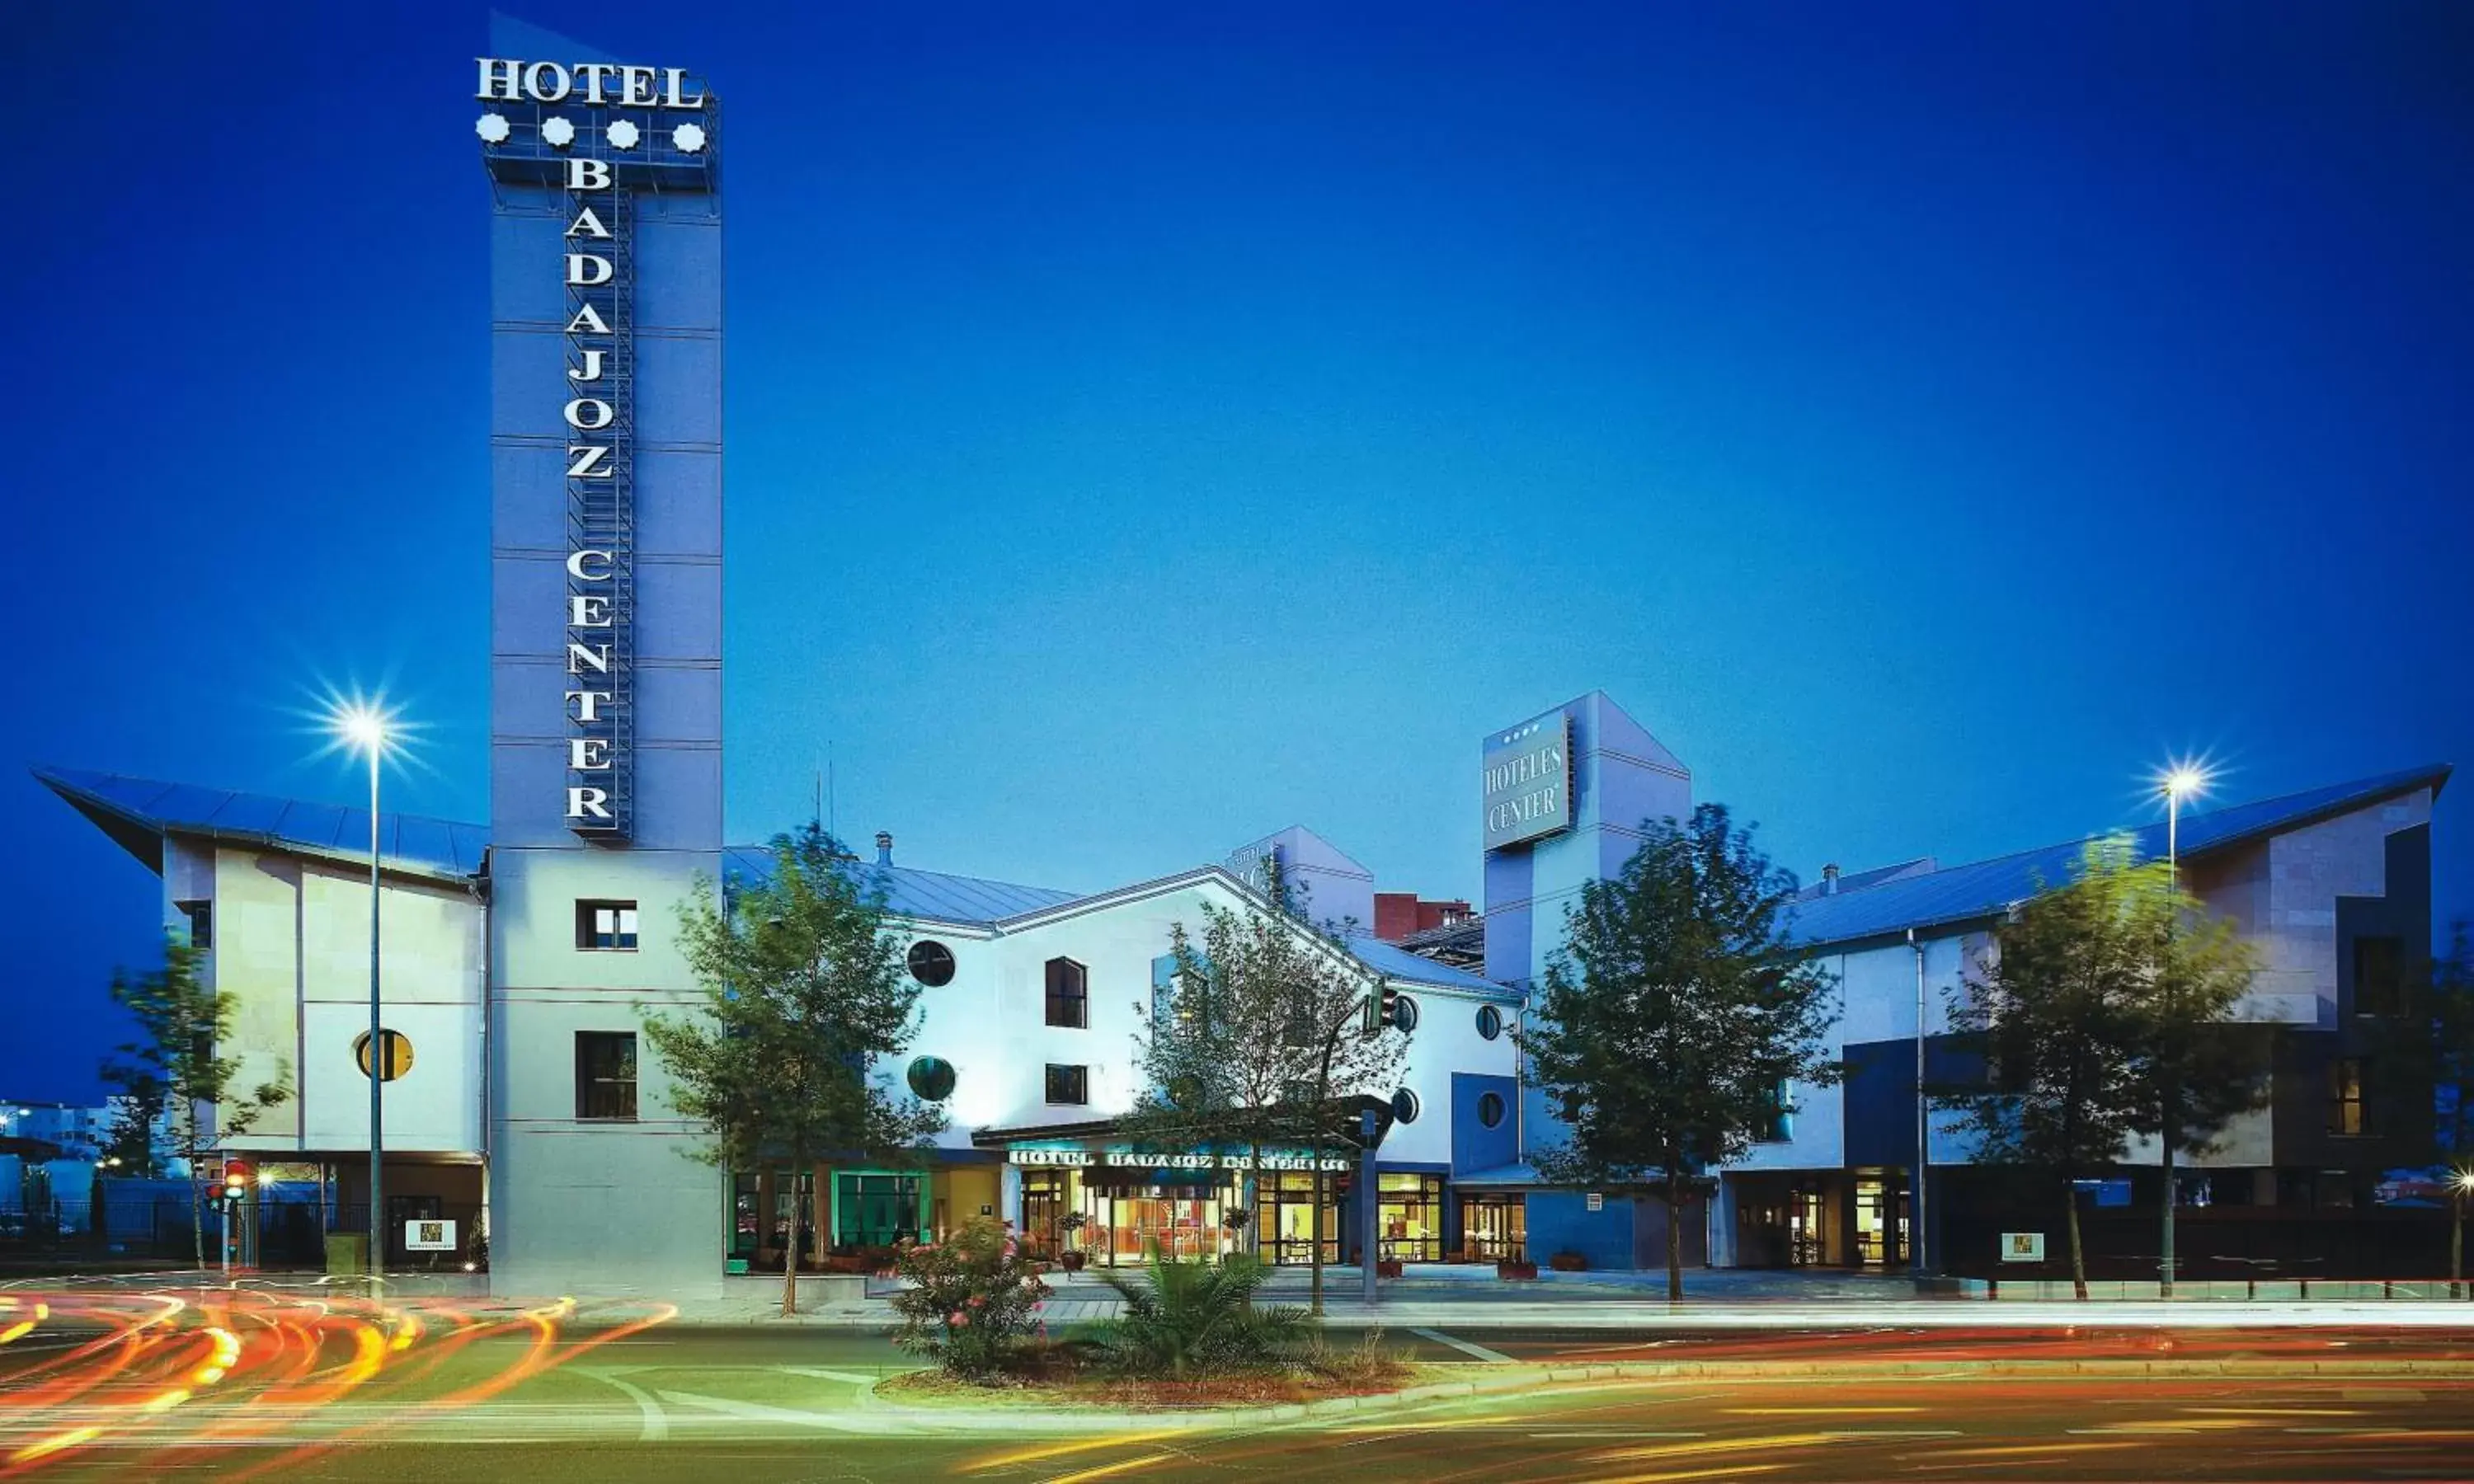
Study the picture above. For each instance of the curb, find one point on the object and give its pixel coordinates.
(1530, 1377)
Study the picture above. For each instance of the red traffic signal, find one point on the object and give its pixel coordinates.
(236, 1178)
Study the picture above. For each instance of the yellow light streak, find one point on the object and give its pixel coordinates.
(1110, 1471)
(1033, 1455)
(1823, 1411)
(53, 1445)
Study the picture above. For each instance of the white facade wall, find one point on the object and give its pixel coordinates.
(291, 947)
(990, 1021)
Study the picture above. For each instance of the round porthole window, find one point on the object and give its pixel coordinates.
(932, 1077)
(1489, 1022)
(1404, 1107)
(1404, 1012)
(1490, 1110)
(399, 1054)
(932, 963)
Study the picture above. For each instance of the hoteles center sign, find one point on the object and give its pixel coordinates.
(572, 119)
(1529, 780)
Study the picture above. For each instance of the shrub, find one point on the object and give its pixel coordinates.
(1188, 1319)
(1370, 1364)
(970, 1301)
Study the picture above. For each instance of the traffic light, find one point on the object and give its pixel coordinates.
(235, 1182)
(1390, 1013)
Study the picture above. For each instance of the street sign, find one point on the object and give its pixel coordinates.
(1597, 1201)
(429, 1237)
(2023, 1246)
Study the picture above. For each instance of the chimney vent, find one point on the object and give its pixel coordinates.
(885, 848)
(1828, 877)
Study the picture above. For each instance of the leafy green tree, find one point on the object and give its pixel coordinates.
(1265, 1040)
(2103, 1017)
(1673, 1015)
(176, 1061)
(804, 994)
(2195, 1066)
(1187, 1318)
(2424, 1088)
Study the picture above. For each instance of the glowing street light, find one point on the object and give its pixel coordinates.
(366, 728)
(2179, 782)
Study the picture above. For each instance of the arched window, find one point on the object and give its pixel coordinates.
(1069, 995)
(1490, 1110)
(1489, 1022)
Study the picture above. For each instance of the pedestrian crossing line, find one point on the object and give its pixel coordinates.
(1465, 1347)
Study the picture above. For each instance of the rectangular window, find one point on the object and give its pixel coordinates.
(201, 916)
(606, 926)
(2345, 1097)
(1069, 1083)
(2379, 976)
(1069, 999)
(605, 1074)
(1776, 1125)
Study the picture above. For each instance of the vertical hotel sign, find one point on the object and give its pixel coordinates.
(1528, 788)
(595, 132)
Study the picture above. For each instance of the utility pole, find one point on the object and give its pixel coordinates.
(1368, 1221)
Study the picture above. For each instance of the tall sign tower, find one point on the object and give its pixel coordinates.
(605, 747)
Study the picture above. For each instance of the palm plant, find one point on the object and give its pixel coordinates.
(1187, 1318)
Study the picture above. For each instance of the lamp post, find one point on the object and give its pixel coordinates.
(2180, 781)
(364, 728)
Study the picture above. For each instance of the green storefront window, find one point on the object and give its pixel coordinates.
(876, 1210)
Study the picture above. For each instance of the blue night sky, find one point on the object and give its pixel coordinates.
(1153, 425)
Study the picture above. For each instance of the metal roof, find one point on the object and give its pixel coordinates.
(1986, 888)
(139, 812)
(932, 896)
(1394, 961)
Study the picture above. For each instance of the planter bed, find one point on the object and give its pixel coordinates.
(934, 1388)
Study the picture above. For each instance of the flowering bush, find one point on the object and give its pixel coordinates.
(970, 1301)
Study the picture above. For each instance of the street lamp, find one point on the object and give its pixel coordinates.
(2179, 782)
(366, 729)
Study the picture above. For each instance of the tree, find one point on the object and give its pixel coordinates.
(2193, 1066)
(135, 1109)
(2425, 1087)
(1265, 1040)
(2101, 1017)
(1673, 1018)
(804, 993)
(183, 1026)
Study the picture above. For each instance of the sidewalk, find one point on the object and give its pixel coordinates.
(1475, 1299)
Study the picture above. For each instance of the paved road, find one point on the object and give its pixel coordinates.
(130, 1388)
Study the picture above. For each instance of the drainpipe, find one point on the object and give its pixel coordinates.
(1917, 1259)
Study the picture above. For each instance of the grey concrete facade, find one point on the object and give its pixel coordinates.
(618, 1205)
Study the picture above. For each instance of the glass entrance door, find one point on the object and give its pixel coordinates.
(1872, 1225)
(1494, 1228)
(1288, 1233)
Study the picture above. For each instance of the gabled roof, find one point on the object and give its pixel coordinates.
(139, 812)
(1987, 888)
